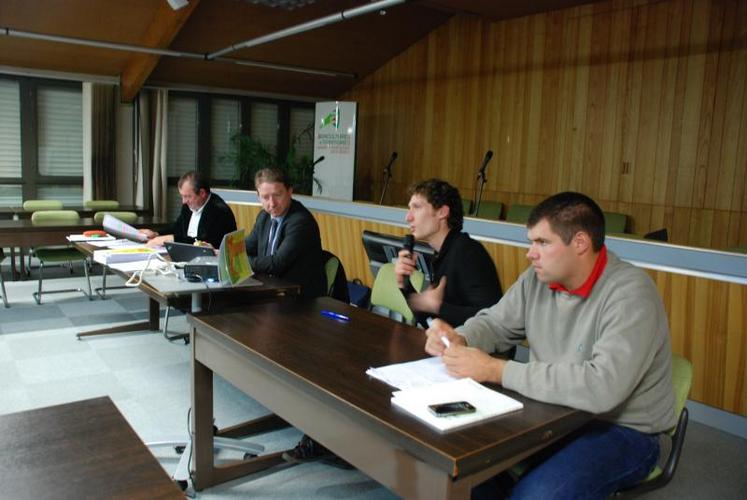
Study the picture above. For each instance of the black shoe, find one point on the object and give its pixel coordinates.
(307, 450)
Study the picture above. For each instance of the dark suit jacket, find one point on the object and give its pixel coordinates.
(217, 220)
(298, 252)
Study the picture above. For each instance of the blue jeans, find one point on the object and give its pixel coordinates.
(592, 463)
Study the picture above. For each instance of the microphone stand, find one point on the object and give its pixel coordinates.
(387, 176)
(483, 179)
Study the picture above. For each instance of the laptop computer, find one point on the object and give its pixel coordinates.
(184, 252)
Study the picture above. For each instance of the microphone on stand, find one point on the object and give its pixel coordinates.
(387, 176)
(481, 177)
(485, 161)
(321, 158)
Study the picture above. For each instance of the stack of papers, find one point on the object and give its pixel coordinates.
(82, 237)
(423, 372)
(123, 255)
(488, 403)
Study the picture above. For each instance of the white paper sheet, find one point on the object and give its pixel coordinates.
(423, 372)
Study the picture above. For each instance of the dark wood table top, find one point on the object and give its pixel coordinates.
(24, 233)
(329, 358)
(84, 449)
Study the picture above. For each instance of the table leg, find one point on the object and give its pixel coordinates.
(202, 424)
(153, 324)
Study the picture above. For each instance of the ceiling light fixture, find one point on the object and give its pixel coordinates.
(178, 4)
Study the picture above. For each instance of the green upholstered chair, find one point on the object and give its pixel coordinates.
(101, 204)
(682, 377)
(2, 282)
(37, 205)
(615, 222)
(128, 217)
(466, 206)
(330, 270)
(490, 210)
(518, 213)
(58, 254)
(386, 294)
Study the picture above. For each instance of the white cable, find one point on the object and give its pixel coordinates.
(137, 276)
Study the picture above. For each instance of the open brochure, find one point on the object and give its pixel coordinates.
(114, 226)
(487, 403)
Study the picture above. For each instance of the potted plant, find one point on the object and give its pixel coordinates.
(248, 155)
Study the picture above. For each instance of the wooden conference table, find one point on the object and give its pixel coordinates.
(25, 234)
(84, 449)
(310, 371)
(269, 288)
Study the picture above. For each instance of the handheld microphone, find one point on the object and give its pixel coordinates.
(408, 243)
(485, 162)
(321, 158)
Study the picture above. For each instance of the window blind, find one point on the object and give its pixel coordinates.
(60, 131)
(225, 123)
(10, 130)
(182, 136)
(264, 125)
(302, 131)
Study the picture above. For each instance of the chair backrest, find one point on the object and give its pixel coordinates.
(128, 217)
(466, 206)
(36, 205)
(386, 293)
(490, 210)
(615, 222)
(70, 216)
(101, 204)
(337, 281)
(518, 213)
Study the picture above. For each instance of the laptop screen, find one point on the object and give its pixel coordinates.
(184, 252)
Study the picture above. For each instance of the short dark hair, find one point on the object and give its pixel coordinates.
(439, 193)
(272, 174)
(568, 213)
(197, 180)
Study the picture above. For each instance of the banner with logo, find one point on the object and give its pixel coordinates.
(334, 138)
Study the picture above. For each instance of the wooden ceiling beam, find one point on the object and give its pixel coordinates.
(161, 32)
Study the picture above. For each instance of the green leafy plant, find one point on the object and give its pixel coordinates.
(247, 156)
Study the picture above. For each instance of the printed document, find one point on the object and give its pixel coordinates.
(423, 372)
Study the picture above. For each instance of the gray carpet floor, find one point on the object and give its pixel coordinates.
(42, 364)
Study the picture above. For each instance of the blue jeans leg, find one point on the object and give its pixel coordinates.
(594, 463)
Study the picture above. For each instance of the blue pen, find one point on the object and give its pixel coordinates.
(334, 315)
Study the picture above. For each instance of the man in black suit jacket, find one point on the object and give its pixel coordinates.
(204, 217)
(293, 250)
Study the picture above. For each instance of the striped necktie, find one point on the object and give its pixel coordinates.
(273, 229)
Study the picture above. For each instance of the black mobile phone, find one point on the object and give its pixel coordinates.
(453, 408)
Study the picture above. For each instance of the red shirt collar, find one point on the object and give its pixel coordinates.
(585, 289)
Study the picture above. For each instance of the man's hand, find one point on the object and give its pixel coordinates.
(404, 267)
(429, 300)
(434, 345)
(159, 241)
(148, 233)
(462, 361)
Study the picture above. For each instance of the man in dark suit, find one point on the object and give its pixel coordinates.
(204, 217)
(285, 240)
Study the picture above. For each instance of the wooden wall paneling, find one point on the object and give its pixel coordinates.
(636, 102)
(692, 116)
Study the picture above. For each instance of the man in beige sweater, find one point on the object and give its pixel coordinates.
(598, 341)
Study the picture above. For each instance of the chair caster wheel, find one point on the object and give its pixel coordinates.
(181, 484)
(247, 456)
(179, 449)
